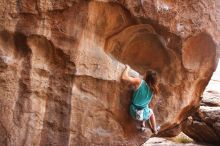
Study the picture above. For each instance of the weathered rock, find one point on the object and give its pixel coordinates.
(204, 125)
(61, 63)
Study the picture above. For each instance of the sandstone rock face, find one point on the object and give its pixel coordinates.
(61, 64)
(204, 125)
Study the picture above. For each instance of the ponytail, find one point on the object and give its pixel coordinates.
(154, 89)
(151, 80)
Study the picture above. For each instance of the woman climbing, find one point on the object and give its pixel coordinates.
(145, 89)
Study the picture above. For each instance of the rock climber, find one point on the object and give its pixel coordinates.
(144, 90)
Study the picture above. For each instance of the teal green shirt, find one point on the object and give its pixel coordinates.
(141, 98)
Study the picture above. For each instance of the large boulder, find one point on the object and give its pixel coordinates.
(61, 64)
(204, 125)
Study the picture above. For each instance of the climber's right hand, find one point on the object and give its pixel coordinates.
(127, 66)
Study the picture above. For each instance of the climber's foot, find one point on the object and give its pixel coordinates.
(138, 127)
(156, 130)
(143, 129)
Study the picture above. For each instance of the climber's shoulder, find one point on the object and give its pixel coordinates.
(136, 82)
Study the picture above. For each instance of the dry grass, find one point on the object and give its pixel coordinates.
(182, 138)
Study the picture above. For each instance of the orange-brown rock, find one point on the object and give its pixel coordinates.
(204, 125)
(61, 64)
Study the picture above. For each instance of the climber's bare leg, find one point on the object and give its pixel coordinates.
(143, 123)
(153, 123)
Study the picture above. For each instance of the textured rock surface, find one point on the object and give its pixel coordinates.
(61, 63)
(204, 125)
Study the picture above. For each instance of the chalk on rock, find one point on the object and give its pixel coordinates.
(133, 73)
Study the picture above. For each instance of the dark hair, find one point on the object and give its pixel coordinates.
(152, 80)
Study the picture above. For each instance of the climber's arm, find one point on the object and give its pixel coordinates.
(134, 81)
(125, 75)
